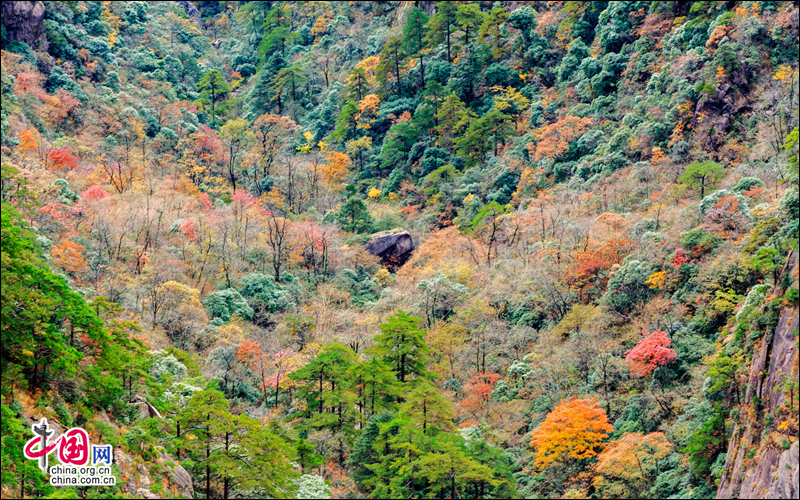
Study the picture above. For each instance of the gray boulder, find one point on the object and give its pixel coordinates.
(23, 21)
(392, 247)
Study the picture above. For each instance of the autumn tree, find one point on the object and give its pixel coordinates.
(180, 313)
(478, 391)
(574, 430)
(250, 353)
(554, 141)
(650, 353)
(278, 239)
(272, 134)
(628, 467)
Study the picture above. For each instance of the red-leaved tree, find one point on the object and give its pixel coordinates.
(653, 351)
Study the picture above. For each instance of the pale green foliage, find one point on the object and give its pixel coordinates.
(312, 486)
(167, 365)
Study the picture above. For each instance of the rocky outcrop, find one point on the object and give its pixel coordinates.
(23, 21)
(179, 477)
(193, 13)
(714, 111)
(146, 410)
(138, 481)
(774, 471)
(393, 247)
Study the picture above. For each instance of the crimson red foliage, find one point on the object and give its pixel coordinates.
(62, 159)
(680, 258)
(653, 351)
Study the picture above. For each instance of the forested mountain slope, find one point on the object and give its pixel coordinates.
(585, 282)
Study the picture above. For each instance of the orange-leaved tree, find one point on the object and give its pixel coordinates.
(68, 255)
(27, 141)
(554, 139)
(628, 467)
(575, 429)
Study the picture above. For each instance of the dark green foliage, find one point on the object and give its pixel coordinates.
(707, 443)
(226, 303)
(413, 38)
(354, 216)
(213, 89)
(627, 288)
(360, 283)
(699, 241)
(19, 473)
(746, 183)
(402, 346)
(364, 454)
(264, 296)
(701, 175)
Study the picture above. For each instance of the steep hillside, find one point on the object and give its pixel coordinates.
(403, 249)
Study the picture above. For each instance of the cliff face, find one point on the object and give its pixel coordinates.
(774, 471)
(23, 21)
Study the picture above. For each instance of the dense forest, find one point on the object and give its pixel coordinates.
(420, 249)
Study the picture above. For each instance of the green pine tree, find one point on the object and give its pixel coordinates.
(402, 346)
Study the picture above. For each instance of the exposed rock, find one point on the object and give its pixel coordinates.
(786, 484)
(739, 76)
(145, 493)
(716, 109)
(429, 7)
(193, 13)
(146, 410)
(23, 21)
(775, 473)
(52, 423)
(393, 247)
(180, 477)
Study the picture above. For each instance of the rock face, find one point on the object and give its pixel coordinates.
(775, 471)
(713, 115)
(179, 477)
(193, 13)
(393, 247)
(146, 410)
(24, 21)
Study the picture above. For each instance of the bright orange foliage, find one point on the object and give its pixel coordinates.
(627, 468)
(367, 110)
(63, 159)
(27, 141)
(554, 140)
(336, 168)
(574, 429)
(68, 255)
